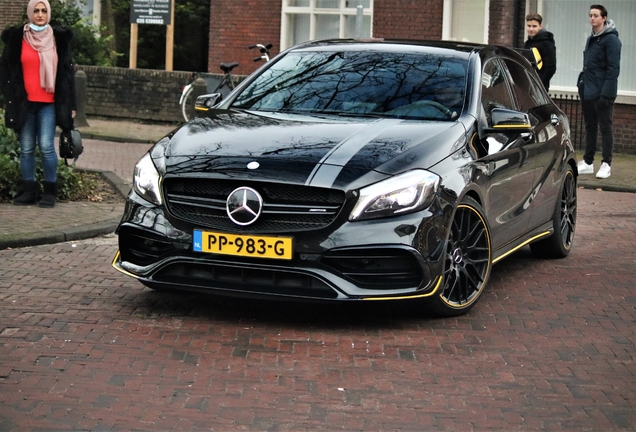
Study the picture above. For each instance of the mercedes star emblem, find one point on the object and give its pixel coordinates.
(244, 206)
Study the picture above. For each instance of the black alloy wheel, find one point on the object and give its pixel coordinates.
(558, 245)
(467, 262)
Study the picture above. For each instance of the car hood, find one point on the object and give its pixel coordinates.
(322, 151)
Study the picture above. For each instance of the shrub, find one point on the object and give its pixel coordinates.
(73, 184)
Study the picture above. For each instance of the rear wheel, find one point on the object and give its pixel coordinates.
(467, 261)
(558, 245)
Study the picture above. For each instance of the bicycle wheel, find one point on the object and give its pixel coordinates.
(187, 106)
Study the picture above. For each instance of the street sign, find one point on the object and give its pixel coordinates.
(151, 12)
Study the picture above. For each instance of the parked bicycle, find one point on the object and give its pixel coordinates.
(215, 84)
(264, 49)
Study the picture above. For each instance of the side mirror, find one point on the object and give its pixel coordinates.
(505, 120)
(207, 101)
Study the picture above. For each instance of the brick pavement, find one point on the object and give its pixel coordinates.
(116, 157)
(30, 225)
(550, 346)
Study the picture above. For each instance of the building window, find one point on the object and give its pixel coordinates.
(465, 20)
(568, 20)
(91, 11)
(305, 20)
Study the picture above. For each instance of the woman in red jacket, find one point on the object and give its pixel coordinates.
(37, 75)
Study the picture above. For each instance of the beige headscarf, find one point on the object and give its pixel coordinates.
(44, 43)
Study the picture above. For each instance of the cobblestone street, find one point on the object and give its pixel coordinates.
(550, 346)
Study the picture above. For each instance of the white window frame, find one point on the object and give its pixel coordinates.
(312, 11)
(95, 17)
(447, 21)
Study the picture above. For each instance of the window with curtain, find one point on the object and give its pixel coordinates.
(568, 20)
(466, 20)
(305, 20)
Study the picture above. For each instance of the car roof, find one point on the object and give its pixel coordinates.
(483, 50)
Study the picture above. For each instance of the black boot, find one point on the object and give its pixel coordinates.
(28, 195)
(49, 195)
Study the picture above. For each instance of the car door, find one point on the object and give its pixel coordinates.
(545, 147)
(505, 161)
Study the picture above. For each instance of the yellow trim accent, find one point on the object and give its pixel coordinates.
(525, 125)
(537, 57)
(472, 145)
(530, 240)
(439, 283)
(116, 267)
(196, 108)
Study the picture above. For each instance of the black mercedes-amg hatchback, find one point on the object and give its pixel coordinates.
(357, 170)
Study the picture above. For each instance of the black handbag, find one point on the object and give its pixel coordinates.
(71, 145)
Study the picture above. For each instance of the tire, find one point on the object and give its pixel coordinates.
(558, 245)
(467, 261)
(187, 106)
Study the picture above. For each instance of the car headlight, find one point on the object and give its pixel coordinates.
(404, 193)
(146, 180)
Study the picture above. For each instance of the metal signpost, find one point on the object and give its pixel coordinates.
(151, 12)
(158, 12)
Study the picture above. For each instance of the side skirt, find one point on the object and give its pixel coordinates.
(539, 233)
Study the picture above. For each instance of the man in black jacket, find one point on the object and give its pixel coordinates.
(543, 41)
(598, 88)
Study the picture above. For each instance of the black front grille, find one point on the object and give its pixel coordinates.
(244, 279)
(286, 208)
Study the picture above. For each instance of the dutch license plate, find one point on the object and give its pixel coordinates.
(243, 245)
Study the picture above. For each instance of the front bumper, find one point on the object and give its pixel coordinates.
(392, 258)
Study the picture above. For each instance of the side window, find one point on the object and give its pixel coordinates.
(494, 91)
(528, 92)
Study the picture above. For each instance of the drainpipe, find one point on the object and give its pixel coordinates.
(515, 23)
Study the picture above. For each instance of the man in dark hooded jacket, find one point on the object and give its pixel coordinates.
(598, 87)
(543, 41)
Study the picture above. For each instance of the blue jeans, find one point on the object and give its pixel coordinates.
(39, 129)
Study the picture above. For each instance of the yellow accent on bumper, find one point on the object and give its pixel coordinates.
(439, 283)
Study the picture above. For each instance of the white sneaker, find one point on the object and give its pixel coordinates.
(585, 168)
(604, 171)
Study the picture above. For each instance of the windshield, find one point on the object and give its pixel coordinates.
(367, 83)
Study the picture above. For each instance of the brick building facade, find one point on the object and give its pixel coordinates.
(11, 12)
(236, 25)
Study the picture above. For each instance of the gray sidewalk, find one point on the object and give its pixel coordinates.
(113, 148)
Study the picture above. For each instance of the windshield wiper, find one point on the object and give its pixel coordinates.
(367, 115)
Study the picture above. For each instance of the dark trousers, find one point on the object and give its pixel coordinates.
(598, 114)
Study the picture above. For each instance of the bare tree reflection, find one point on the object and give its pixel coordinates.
(352, 82)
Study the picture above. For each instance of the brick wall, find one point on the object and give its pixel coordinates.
(624, 129)
(500, 22)
(140, 94)
(408, 19)
(11, 12)
(235, 25)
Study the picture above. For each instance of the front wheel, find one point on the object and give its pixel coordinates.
(558, 245)
(467, 261)
(187, 105)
